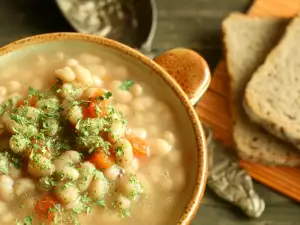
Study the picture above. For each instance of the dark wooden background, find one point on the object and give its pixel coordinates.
(182, 23)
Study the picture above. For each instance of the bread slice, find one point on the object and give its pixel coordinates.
(247, 41)
(272, 97)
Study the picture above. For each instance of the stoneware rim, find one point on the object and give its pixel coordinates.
(202, 167)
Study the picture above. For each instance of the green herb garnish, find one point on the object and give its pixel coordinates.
(126, 85)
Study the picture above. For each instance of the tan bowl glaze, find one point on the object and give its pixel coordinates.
(191, 75)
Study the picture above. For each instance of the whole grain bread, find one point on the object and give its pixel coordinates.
(247, 41)
(272, 97)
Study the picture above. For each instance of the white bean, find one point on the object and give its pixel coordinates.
(160, 147)
(115, 85)
(123, 203)
(40, 166)
(139, 132)
(117, 131)
(129, 186)
(124, 152)
(14, 172)
(133, 168)
(86, 176)
(112, 172)
(66, 194)
(69, 90)
(32, 112)
(123, 108)
(44, 184)
(9, 123)
(66, 91)
(51, 126)
(66, 74)
(142, 104)
(136, 90)
(72, 62)
(18, 143)
(88, 58)
(61, 162)
(98, 70)
(74, 114)
(97, 82)
(68, 173)
(60, 55)
(6, 188)
(120, 72)
(73, 204)
(145, 184)
(3, 91)
(98, 188)
(14, 86)
(83, 75)
(24, 186)
(169, 137)
(66, 103)
(122, 96)
(74, 156)
(92, 92)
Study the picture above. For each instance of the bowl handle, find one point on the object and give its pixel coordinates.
(189, 69)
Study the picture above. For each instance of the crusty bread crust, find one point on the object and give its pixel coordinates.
(272, 96)
(248, 40)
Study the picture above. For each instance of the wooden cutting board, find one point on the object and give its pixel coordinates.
(213, 109)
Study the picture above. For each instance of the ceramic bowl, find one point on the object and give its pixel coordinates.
(181, 76)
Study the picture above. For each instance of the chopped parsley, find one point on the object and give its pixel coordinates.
(126, 85)
(27, 220)
(32, 92)
(125, 213)
(101, 202)
(107, 95)
(119, 151)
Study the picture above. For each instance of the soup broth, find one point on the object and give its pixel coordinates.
(85, 140)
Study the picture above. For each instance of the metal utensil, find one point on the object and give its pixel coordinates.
(229, 181)
(132, 22)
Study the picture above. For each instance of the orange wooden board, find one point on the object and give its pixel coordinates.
(213, 109)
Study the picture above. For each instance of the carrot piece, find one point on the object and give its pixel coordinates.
(139, 146)
(102, 160)
(43, 208)
(91, 110)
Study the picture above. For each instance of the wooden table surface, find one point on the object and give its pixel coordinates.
(191, 23)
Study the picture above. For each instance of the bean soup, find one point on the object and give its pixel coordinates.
(84, 140)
